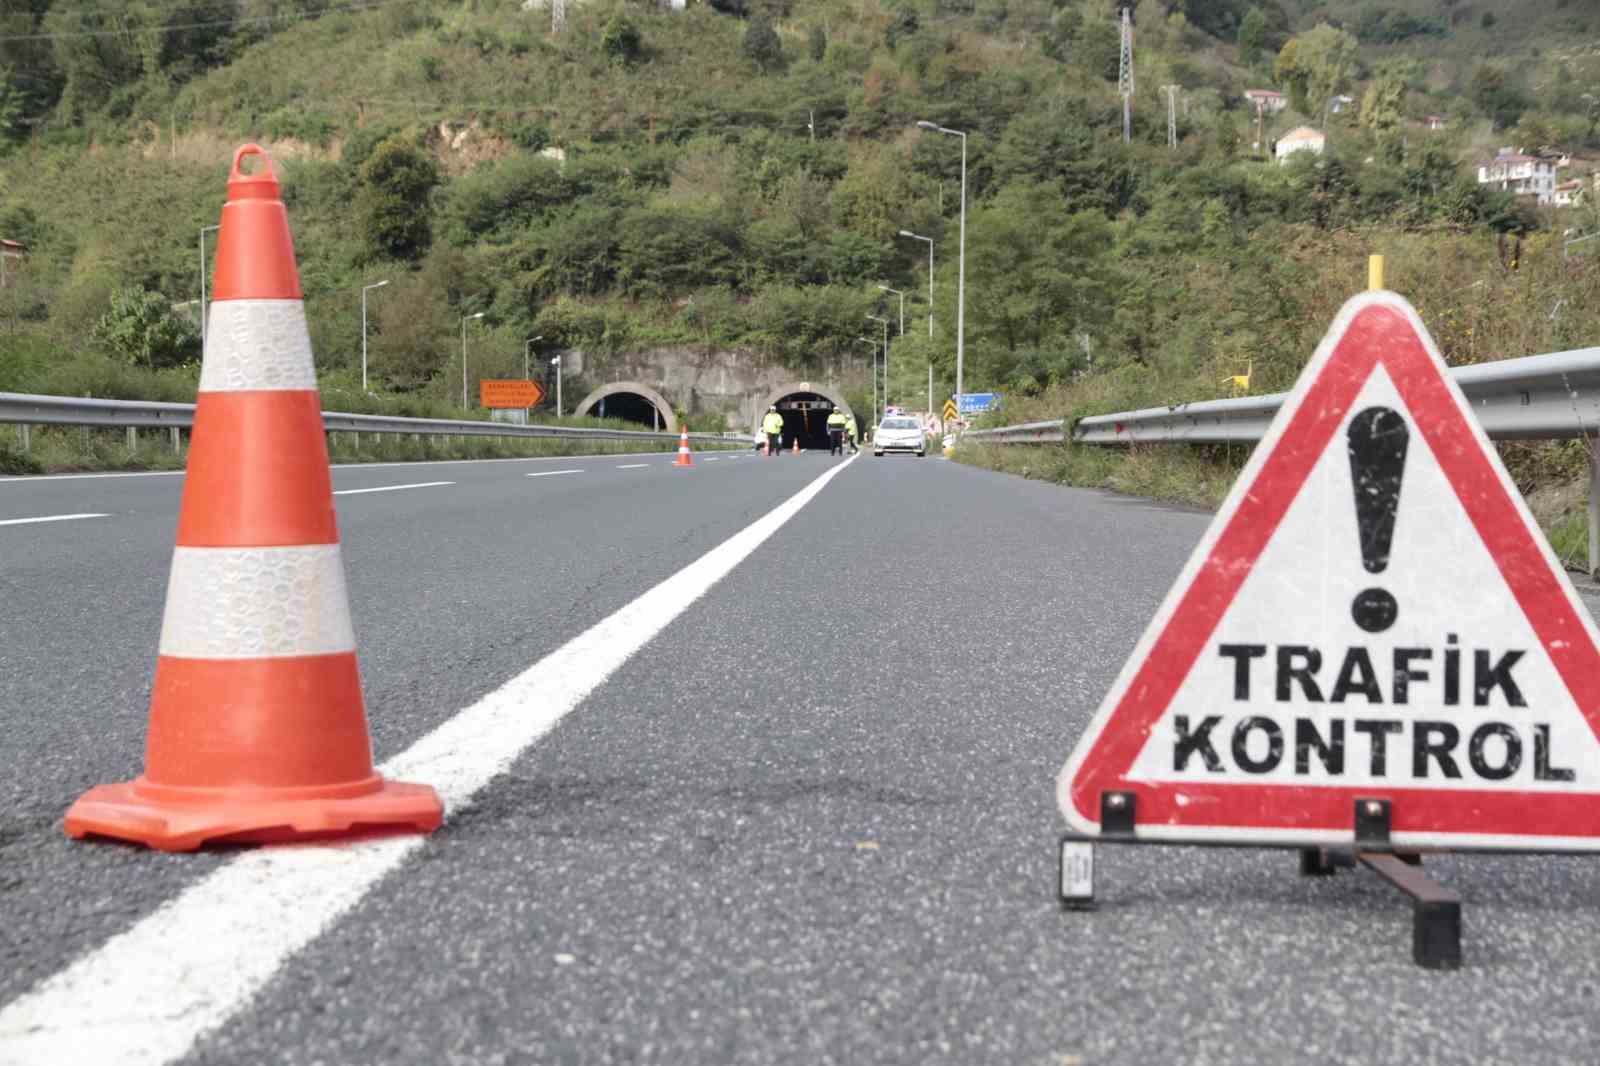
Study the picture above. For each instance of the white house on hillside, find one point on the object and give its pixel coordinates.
(1568, 193)
(1299, 139)
(1267, 100)
(1525, 175)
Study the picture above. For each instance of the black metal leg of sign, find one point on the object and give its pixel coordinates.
(1117, 814)
(1435, 910)
(1316, 862)
(1372, 825)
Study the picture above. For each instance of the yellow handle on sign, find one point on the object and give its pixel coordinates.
(1374, 272)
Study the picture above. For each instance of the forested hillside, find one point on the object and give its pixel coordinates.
(736, 175)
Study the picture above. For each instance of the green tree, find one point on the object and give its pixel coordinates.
(817, 44)
(762, 47)
(1046, 270)
(1383, 108)
(142, 328)
(621, 41)
(392, 200)
(1316, 65)
(1252, 36)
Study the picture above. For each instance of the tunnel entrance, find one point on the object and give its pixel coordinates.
(632, 402)
(630, 407)
(805, 418)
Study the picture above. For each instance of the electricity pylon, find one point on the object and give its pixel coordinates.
(1172, 114)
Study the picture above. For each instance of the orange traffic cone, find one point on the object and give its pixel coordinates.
(683, 451)
(797, 445)
(257, 729)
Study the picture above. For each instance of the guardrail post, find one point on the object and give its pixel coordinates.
(177, 441)
(27, 441)
(133, 439)
(1594, 512)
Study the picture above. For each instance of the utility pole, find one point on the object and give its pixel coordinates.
(812, 126)
(1125, 77)
(1260, 144)
(558, 15)
(1172, 114)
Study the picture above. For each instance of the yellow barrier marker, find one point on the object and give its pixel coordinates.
(1374, 272)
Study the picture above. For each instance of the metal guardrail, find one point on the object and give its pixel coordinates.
(1538, 397)
(1052, 432)
(1555, 396)
(27, 410)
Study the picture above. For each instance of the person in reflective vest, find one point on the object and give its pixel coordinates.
(851, 431)
(772, 426)
(836, 423)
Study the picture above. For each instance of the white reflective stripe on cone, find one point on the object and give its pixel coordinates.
(257, 344)
(257, 603)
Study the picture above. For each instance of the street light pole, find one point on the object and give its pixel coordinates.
(902, 296)
(464, 320)
(961, 273)
(885, 323)
(865, 340)
(203, 231)
(364, 291)
(918, 237)
(556, 362)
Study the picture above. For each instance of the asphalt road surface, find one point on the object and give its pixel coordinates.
(795, 805)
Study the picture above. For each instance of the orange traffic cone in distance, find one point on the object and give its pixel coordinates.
(257, 728)
(797, 446)
(683, 450)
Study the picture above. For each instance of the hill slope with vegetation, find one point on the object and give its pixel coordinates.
(736, 176)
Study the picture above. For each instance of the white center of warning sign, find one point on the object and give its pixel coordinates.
(1386, 652)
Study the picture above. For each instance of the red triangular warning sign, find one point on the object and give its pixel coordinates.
(1373, 613)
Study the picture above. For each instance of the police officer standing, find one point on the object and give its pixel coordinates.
(772, 426)
(852, 432)
(836, 424)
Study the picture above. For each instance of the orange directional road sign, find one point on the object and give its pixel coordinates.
(510, 394)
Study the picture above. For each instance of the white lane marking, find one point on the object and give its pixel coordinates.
(631, 466)
(50, 518)
(347, 466)
(552, 473)
(392, 488)
(146, 995)
(709, 459)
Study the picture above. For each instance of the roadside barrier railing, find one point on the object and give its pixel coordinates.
(1555, 396)
(24, 410)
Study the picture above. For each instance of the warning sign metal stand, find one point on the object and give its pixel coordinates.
(1372, 654)
(1435, 910)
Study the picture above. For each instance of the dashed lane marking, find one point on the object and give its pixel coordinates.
(49, 518)
(145, 996)
(631, 466)
(552, 473)
(392, 488)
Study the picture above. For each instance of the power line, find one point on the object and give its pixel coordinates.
(347, 8)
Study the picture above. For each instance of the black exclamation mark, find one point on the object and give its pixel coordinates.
(1377, 440)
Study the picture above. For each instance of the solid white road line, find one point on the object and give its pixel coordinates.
(50, 518)
(552, 473)
(631, 466)
(145, 996)
(392, 488)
